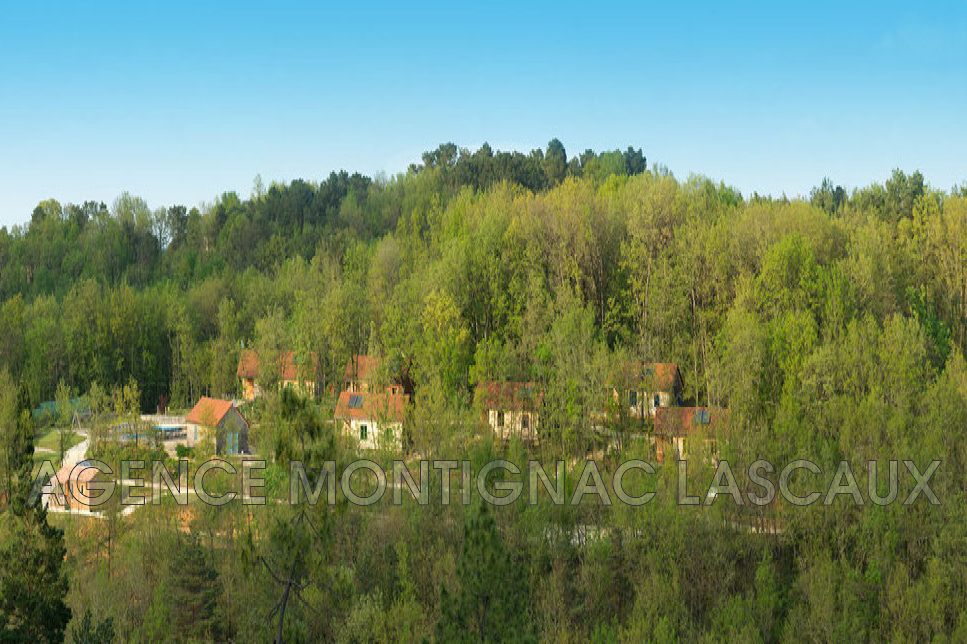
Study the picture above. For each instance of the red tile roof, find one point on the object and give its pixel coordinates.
(509, 395)
(291, 367)
(87, 474)
(665, 375)
(249, 365)
(361, 367)
(679, 421)
(372, 406)
(208, 412)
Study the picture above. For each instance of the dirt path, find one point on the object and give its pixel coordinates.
(75, 454)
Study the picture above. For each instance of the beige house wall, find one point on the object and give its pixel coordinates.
(304, 387)
(506, 423)
(251, 390)
(646, 402)
(194, 434)
(378, 434)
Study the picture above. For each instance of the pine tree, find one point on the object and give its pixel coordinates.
(89, 632)
(491, 605)
(194, 592)
(21, 454)
(33, 584)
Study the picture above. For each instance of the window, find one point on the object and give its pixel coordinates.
(500, 419)
(362, 432)
(657, 401)
(703, 417)
(525, 422)
(355, 401)
(632, 398)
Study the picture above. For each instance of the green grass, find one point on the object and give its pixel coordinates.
(40, 457)
(51, 441)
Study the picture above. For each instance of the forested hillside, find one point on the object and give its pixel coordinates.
(832, 328)
(168, 296)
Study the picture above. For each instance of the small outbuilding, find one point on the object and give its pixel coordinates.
(75, 483)
(220, 419)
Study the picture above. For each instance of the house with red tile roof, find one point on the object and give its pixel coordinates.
(511, 408)
(293, 371)
(220, 420)
(676, 427)
(363, 371)
(635, 390)
(373, 419)
(644, 387)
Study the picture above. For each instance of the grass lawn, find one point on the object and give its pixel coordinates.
(40, 457)
(51, 441)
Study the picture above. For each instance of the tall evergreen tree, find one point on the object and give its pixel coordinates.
(491, 605)
(33, 584)
(20, 454)
(555, 162)
(91, 632)
(194, 593)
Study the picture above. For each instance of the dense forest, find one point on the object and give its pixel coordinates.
(832, 327)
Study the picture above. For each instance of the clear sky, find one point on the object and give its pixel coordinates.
(179, 101)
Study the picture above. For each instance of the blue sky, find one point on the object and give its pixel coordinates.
(177, 102)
